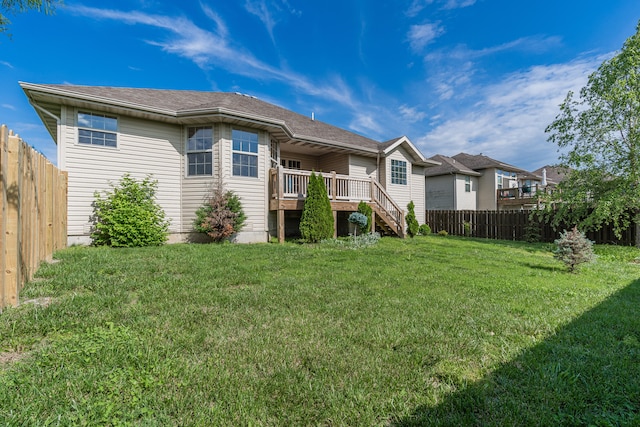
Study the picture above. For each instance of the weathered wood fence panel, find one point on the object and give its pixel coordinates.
(511, 225)
(33, 207)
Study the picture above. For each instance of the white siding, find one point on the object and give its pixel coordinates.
(402, 194)
(466, 200)
(334, 162)
(307, 162)
(144, 148)
(252, 191)
(362, 167)
(417, 192)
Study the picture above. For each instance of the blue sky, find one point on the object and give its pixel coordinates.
(478, 76)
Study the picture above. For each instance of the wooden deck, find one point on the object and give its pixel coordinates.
(288, 190)
(520, 197)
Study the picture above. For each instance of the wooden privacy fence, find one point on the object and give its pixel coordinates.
(33, 203)
(511, 225)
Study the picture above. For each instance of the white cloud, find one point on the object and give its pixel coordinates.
(508, 119)
(216, 48)
(411, 114)
(9, 106)
(6, 64)
(421, 35)
(417, 6)
(260, 9)
(458, 4)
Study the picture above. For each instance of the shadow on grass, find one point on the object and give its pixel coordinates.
(588, 373)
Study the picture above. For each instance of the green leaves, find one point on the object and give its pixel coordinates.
(600, 131)
(129, 216)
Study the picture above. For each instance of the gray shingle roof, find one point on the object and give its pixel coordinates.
(448, 166)
(182, 103)
(479, 161)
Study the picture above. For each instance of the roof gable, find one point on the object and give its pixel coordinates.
(449, 166)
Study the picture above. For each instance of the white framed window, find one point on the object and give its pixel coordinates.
(398, 172)
(200, 151)
(97, 129)
(245, 153)
(467, 184)
(290, 164)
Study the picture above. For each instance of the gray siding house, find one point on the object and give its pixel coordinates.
(192, 142)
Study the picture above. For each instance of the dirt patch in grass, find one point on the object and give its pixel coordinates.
(41, 302)
(9, 357)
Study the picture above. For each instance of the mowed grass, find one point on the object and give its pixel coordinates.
(424, 331)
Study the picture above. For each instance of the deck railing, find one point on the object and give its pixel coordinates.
(292, 184)
(525, 192)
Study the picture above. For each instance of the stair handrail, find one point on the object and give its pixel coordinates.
(388, 205)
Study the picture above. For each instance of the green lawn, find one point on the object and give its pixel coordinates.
(430, 331)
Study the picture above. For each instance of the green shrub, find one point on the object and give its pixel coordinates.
(424, 230)
(220, 216)
(467, 228)
(316, 223)
(443, 233)
(532, 233)
(412, 222)
(129, 215)
(573, 248)
(366, 210)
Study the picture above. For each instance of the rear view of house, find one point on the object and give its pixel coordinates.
(192, 142)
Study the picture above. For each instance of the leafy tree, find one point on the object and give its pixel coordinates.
(220, 216)
(366, 210)
(601, 132)
(316, 223)
(129, 215)
(413, 226)
(19, 6)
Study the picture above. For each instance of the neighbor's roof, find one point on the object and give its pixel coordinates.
(555, 174)
(190, 107)
(449, 165)
(479, 161)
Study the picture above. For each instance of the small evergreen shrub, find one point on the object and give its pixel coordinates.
(128, 215)
(220, 216)
(532, 233)
(573, 248)
(467, 229)
(443, 233)
(359, 220)
(412, 222)
(366, 210)
(316, 223)
(424, 230)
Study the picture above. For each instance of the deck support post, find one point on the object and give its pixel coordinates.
(280, 226)
(335, 224)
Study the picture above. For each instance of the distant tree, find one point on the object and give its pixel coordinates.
(12, 7)
(601, 130)
(316, 223)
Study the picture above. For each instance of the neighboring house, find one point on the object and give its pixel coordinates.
(451, 186)
(552, 174)
(478, 182)
(192, 142)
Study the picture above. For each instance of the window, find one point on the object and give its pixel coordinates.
(290, 164)
(398, 172)
(500, 178)
(200, 151)
(245, 153)
(97, 129)
(467, 184)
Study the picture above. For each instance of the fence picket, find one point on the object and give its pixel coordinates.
(33, 204)
(511, 225)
